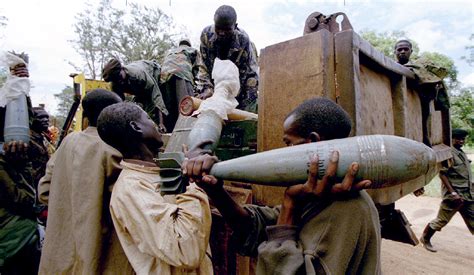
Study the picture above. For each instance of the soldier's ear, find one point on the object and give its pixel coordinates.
(314, 137)
(135, 127)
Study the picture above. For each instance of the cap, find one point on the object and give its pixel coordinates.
(459, 133)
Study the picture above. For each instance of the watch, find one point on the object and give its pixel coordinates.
(454, 193)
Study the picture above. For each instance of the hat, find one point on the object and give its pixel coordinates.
(459, 133)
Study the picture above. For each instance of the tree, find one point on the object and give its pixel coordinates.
(462, 111)
(65, 99)
(470, 48)
(104, 32)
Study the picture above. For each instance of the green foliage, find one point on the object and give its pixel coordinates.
(65, 99)
(462, 112)
(137, 33)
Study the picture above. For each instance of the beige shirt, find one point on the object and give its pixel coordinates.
(160, 234)
(77, 186)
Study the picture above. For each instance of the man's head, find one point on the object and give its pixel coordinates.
(225, 21)
(184, 42)
(315, 120)
(459, 137)
(127, 128)
(113, 72)
(40, 120)
(403, 50)
(95, 101)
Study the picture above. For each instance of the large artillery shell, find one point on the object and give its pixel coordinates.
(383, 159)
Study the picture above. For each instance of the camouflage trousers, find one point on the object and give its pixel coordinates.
(448, 208)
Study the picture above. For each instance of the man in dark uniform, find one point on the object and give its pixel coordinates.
(224, 40)
(458, 191)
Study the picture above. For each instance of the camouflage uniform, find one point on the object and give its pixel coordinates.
(18, 226)
(39, 153)
(144, 78)
(186, 63)
(460, 177)
(430, 78)
(241, 52)
(182, 74)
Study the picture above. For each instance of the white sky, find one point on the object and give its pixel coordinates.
(42, 28)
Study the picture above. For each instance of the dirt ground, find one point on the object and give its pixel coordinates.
(455, 243)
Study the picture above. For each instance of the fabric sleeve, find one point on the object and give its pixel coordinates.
(177, 234)
(15, 197)
(204, 49)
(247, 242)
(249, 79)
(200, 73)
(281, 254)
(45, 181)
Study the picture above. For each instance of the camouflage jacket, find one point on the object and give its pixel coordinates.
(459, 175)
(144, 77)
(186, 62)
(430, 79)
(39, 153)
(241, 52)
(17, 214)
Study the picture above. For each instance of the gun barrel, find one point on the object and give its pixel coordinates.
(385, 160)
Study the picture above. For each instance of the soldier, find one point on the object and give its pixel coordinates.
(19, 238)
(80, 238)
(458, 191)
(40, 149)
(159, 234)
(140, 79)
(304, 235)
(224, 40)
(182, 74)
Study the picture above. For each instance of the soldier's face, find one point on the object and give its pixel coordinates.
(290, 135)
(224, 30)
(403, 52)
(458, 142)
(150, 134)
(41, 121)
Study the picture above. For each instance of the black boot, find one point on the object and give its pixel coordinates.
(425, 239)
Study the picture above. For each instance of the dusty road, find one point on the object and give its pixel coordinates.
(455, 243)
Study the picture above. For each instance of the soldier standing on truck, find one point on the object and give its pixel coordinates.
(140, 79)
(430, 81)
(182, 74)
(224, 40)
(458, 191)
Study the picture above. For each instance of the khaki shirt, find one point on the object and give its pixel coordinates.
(77, 186)
(160, 234)
(459, 175)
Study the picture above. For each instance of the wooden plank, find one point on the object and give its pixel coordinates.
(290, 72)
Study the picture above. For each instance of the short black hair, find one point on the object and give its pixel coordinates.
(114, 128)
(403, 40)
(459, 133)
(95, 101)
(323, 116)
(226, 13)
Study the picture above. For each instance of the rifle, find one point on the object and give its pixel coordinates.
(72, 111)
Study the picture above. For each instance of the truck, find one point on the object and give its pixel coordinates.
(329, 60)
